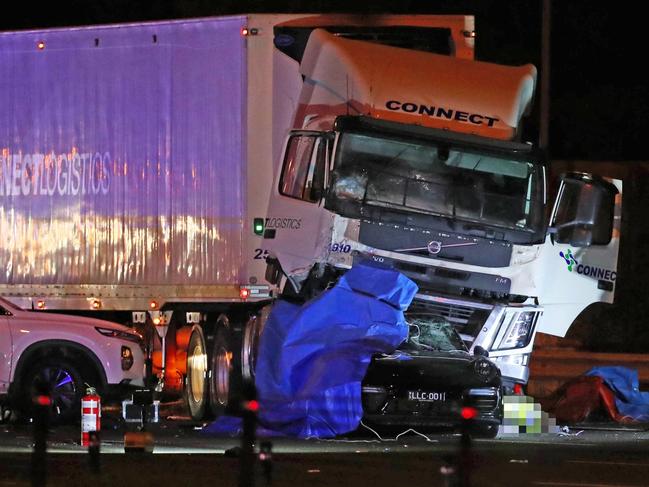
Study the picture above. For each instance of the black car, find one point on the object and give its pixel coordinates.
(429, 379)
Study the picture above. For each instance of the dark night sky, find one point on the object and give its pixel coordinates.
(598, 96)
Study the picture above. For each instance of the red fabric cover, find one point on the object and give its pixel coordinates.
(578, 398)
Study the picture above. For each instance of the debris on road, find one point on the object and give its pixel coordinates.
(608, 393)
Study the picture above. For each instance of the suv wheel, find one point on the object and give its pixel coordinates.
(61, 381)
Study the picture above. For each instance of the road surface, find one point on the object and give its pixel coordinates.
(603, 455)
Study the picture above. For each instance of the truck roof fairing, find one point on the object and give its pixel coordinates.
(401, 85)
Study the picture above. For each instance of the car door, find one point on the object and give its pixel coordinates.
(579, 267)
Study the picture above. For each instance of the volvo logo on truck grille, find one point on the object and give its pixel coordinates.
(434, 247)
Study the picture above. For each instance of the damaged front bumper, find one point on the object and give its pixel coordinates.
(399, 407)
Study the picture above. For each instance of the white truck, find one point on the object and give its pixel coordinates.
(136, 169)
(414, 160)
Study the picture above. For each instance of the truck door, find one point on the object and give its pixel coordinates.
(5, 351)
(579, 264)
(293, 230)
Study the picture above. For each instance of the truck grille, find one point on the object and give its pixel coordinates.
(454, 313)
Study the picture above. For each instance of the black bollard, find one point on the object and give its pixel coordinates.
(266, 460)
(465, 460)
(94, 445)
(249, 409)
(41, 415)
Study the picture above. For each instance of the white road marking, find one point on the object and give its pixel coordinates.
(626, 464)
(582, 484)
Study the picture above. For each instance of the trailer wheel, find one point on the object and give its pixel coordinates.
(250, 343)
(196, 382)
(225, 370)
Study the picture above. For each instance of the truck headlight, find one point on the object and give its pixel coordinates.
(517, 331)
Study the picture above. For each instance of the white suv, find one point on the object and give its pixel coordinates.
(60, 354)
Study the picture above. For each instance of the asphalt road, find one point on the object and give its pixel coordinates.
(603, 455)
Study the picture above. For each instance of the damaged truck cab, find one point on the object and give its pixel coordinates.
(414, 160)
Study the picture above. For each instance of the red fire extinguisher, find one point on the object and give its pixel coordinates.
(90, 414)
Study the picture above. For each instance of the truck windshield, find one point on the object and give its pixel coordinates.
(426, 177)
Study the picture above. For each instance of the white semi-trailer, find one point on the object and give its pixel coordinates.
(136, 166)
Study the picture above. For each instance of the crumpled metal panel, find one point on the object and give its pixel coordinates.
(122, 154)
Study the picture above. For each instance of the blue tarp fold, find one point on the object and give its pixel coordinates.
(630, 401)
(312, 358)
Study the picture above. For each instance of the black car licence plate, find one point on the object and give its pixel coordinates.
(426, 396)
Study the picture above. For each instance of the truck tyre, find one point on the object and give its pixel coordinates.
(61, 381)
(196, 379)
(225, 369)
(250, 343)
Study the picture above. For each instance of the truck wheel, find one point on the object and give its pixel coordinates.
(250, 343)
(60, 380)
(225, 370)
(196, 382)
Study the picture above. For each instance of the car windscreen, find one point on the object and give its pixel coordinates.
(432, 333)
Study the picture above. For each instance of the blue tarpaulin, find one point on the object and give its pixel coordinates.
(630, 401)
(312, 358)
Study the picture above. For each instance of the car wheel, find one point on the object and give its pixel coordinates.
(62, 382)
(196, 384)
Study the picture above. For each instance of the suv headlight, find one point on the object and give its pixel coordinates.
(130, 336)
(517, 331)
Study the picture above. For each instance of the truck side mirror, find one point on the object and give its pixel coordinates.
(583, 211)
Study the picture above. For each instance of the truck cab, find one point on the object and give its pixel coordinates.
(414, 160)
